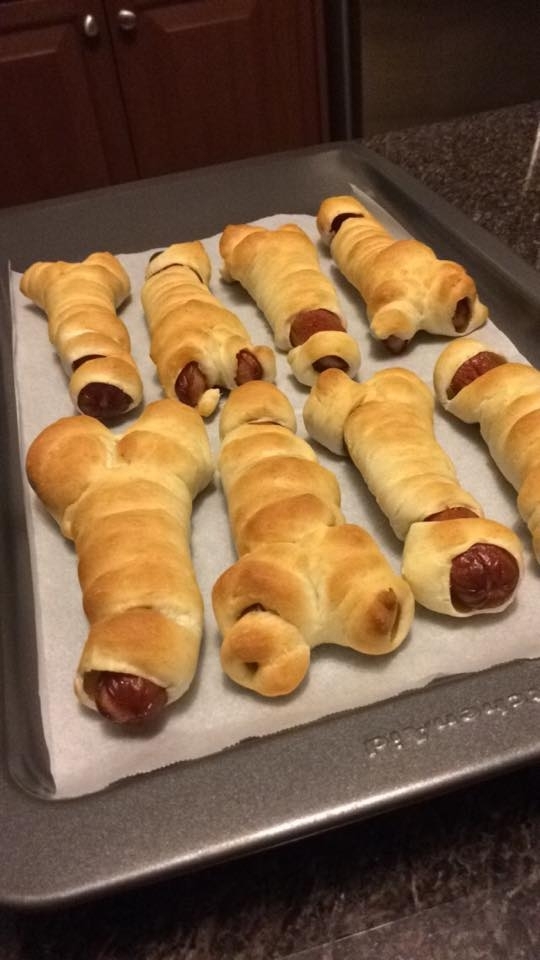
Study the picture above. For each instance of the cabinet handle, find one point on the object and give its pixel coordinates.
(90, 25)
(127, 19)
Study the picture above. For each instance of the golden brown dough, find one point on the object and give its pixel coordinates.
(505, 401)
(404, 286)
(305, 576)
(280, 271)
(125, 501)
(459, 563)
(197, 344)
(80, 300)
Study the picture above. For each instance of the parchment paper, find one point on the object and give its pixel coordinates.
(86, 752)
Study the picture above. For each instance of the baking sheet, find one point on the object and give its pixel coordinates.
(310, 778)
(87, 754)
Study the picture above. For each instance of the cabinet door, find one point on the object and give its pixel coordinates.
(62, 125)
(206, 81)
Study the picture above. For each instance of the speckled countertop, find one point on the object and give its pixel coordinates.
(453, 878)
(488, 165)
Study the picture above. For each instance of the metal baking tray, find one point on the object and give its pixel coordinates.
(261, 792)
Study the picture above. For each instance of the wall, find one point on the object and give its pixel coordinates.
(418, 61)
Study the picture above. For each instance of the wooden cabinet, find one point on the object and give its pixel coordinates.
(101, 92)
(206, 81)
(62, 122)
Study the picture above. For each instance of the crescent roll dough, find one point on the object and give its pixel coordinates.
(280, 271)
(80, 300)
(504, 399)
(304, 576)
(197, 344)
(456, 561)
(404, 286)
(125, 501)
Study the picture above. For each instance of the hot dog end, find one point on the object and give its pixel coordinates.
(461, 564)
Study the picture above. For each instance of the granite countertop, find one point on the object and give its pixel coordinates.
(452, 878)
(488, 165)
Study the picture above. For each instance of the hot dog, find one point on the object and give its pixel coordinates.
(478, 385)
(304, 576)
(280, 271)
(123, 698)
(190, 384)
(248, 367)
(103, 400)
(484, 575)
(471, 369)
(80, 300)
(404, 286)
(309, 322)
(198, 345)
(125, 501)
(456, 561)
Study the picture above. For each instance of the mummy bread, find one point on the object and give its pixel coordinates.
(80, 300)
(404, 286)
(478, 385)
(304, 577)
(197, 344)
(126, 503)
(456, 561)
(280, 271)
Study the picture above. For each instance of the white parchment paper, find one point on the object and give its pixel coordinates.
(87, 753)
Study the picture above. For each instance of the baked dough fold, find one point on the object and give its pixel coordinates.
(93, 344)
(280, 270)
(125, 500)
(406, 288)
(189, 325)
(505, 401)
(386, 426)
(304, 576)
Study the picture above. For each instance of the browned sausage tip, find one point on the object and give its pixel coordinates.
(483, 577)
(103, 400)
(190, 384)
(395, 344)
(247, 367)
(125, 698)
